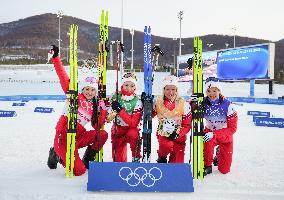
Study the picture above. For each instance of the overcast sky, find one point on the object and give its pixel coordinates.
(253, 18)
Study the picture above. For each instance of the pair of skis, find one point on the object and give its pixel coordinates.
(103, 51)
(73, 90)
(198, 112)
(148, 97)
(73, 102)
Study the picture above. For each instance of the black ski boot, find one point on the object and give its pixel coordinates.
(89, 155)
(207, 170)
(137, 160)
(215, 160)
(53, 159)
(162, 160)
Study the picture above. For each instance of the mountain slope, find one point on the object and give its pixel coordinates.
(33, 35)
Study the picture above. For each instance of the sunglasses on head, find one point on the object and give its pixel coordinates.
(130, 75)
(214, 79)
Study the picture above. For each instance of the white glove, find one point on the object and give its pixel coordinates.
(208, 136)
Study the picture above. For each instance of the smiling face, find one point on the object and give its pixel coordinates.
(129, 87)
(213, 93)
(89, 92)
(170, 92)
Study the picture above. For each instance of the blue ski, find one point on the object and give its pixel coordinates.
(147, 98)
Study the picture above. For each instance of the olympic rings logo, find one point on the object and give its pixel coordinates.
(140, 175)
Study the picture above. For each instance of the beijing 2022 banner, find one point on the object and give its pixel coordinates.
(243, 63)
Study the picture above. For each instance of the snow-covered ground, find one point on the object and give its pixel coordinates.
(258, 161)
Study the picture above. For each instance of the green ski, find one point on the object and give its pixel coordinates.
(102, 71)
(197, 121)
(73, 102)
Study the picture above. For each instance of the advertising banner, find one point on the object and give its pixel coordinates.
(244, 63)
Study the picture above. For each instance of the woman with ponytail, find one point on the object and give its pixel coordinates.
(126, 109)
(87, 112)
(220, 125)
(174, 117)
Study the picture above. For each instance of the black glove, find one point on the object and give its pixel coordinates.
(173, 136)
(189, 62)
(55, 51)
(115, 105)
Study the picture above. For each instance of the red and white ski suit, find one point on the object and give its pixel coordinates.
(180, 110)
(221, 119)
(83, 137)
(126, 130)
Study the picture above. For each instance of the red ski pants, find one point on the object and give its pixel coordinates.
(224, 156)
(174, 148)
(120, 136)
(83, 139)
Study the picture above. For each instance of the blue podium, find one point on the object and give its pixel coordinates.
(139, 177)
